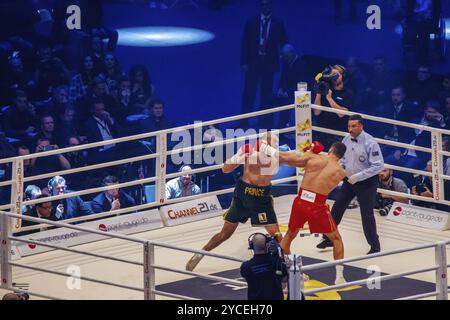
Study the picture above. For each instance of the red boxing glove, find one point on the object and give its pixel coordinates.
(317, 147)
(257, 145)
(247, 149)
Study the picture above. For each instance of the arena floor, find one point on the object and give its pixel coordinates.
(194, 235)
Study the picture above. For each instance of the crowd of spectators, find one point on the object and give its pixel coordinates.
(64, 89)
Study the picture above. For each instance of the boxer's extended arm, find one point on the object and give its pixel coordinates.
(239, 158)
(295, 158)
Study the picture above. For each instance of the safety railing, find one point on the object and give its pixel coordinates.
(440, 268)
(18, 180)
(148, 265)
(162, 152)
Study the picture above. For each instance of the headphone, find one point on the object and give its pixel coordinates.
(251, 246)
(54, 180)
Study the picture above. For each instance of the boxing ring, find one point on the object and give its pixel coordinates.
(148, 249)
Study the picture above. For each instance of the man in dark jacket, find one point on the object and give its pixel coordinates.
(263, 37)
(113, 199)
(69, 207)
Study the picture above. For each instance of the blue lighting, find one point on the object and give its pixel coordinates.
(162, 36)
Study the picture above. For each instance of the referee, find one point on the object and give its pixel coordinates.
(363, 161)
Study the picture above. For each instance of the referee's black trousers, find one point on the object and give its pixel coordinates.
(365, 191)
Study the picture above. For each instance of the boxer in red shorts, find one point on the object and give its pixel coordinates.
(322, 174)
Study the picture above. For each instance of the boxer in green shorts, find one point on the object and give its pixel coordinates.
(252, 196)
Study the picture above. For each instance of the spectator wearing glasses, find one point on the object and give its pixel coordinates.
(42, 210)
(67, 208)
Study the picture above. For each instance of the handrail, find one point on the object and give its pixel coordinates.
(333, 263)
(146, 135)
(379, 140)
(54, 246)
(89, 191)
(363, 281)
(74, 227)
(213, 122)
(150, 205)
(91, 167)
(380, 119)
(64, 274)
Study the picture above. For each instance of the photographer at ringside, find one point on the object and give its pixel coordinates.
(387, 181)
(264, 273)
(331, 93)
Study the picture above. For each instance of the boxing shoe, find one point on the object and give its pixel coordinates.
(193, 262)
(325, 243)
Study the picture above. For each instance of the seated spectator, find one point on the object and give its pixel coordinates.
(112, 199)
(50, 71)
(67, 125)
(57, 103)
(388, 182)
(142, 89)
(356, 82)
(112, 73)
(81, 82)
(31, 193)
(423, 87)
(47, 129)
(50, 163)
(14, 78)
(402, 110)
(6, 151)
(77, 159)
(432, 117)
(43, 210)
(182, 186)
(412, 159)
(445, 89)
(20, 119)
(98, 91)
(28, 165)
(97, 51)
(447, 112)
(69, 207)
(379, 83)
(123, 100)
(101, 126)
(157, 120)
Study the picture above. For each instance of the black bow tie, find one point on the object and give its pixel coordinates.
(354, 140)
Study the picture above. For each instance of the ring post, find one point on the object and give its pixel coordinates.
(5, 251)
(296, 284)
(441, 272)
(161, 168)
(303, 121)
(149, 271)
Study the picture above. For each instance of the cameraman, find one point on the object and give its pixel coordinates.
(331, 93)
(388, 182)
(265, 271)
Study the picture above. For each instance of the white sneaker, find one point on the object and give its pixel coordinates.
(193, 262)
